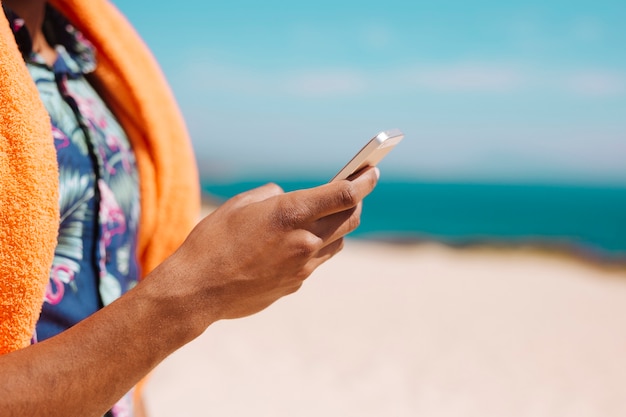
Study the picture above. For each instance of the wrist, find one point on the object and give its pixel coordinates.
(178, 312)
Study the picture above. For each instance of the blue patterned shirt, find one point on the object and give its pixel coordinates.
(95, 258)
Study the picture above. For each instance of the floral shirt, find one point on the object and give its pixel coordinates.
(95, 258)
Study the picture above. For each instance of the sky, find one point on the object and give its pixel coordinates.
(485, 91)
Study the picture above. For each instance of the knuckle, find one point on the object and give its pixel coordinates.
(306, 247)
(284, 215)
(235, 201)
(273, 188)
(289, 214)
(348, 195)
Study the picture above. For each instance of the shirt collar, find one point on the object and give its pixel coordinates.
(76, 52)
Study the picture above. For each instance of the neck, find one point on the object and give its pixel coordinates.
(33, 13)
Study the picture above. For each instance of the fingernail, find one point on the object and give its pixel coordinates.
(377, 172)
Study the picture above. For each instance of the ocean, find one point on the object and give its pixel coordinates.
(586, 219)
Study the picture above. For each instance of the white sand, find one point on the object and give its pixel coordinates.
(384, 330)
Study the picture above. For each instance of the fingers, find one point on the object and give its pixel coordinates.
(325, 253)
(334, 197)
(328, 212)
(334, 226)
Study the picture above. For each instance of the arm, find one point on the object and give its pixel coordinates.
(256, 248)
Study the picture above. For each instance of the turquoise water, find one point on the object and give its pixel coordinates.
(589, 219)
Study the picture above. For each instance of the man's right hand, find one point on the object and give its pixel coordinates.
(262, 244)
(256, 248)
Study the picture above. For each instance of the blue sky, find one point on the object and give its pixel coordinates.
(485, 91)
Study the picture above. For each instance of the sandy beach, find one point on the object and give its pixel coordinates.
(416, 330)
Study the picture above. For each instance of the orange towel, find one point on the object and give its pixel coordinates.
(132, 84)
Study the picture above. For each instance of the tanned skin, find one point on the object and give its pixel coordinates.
(254, 249)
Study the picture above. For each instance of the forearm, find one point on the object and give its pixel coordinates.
(86, 369)
(253, 250)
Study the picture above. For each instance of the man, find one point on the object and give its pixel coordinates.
(254, 249)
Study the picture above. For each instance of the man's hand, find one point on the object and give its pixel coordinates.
(262, 244)
(256, 248)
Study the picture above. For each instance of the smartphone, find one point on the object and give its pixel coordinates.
(372, 153)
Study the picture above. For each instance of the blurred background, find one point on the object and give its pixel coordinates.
(515, 151)
(514, 112)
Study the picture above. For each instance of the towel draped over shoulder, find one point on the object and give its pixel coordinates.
(131, 83)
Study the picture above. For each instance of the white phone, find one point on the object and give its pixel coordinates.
(372, 153)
